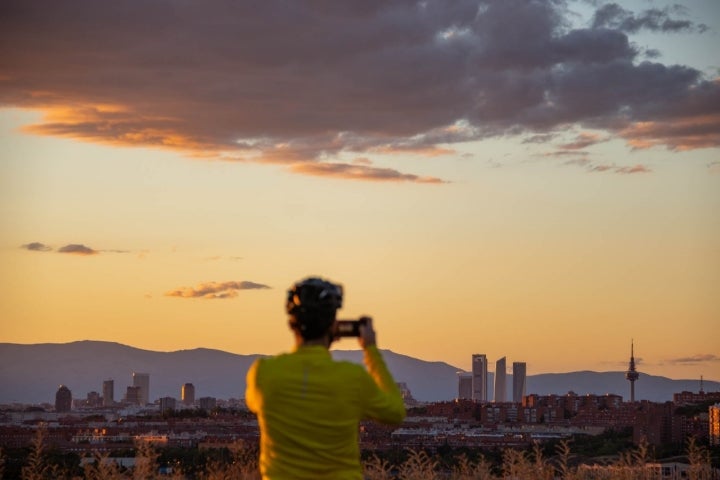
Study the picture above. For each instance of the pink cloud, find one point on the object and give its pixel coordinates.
(359, 172)
(215, 290)
(584, 140)
(681, 134)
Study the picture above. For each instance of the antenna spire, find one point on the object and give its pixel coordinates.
(632, 375)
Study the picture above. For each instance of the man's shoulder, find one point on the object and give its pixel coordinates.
(272, 359)
(285, 360)
(349, 367)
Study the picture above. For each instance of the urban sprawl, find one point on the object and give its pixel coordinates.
(99, 423)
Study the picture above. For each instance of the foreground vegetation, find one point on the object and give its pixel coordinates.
(533, 464)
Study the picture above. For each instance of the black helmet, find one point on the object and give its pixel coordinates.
(312, 304)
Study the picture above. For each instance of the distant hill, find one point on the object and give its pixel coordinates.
(32, 374)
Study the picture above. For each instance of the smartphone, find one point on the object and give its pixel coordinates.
(348, 328)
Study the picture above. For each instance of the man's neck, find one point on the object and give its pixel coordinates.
(323, 341)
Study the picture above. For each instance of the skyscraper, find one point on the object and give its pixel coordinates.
(142, 380)
(464, 386)
(479, 377)
(108, 393)
(63, 399)
(207, 403)
(519, 379)
(632, 375)
(132, 395)
(188, 394)
(93, 399)
(167, 404)
(500, 381)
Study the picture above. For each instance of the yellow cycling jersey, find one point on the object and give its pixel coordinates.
(309, 407)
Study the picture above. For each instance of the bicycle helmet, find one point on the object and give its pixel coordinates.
(312, 304)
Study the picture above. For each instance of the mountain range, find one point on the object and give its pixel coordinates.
(31, 374)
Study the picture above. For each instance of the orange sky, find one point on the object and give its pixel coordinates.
(163, 183)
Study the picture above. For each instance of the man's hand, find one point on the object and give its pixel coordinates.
(367, 333)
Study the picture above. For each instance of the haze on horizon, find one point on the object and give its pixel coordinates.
(538, 180)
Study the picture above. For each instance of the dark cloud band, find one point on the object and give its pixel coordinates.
(613, 15)
(344, 78)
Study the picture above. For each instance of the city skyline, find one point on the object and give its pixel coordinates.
(173, 373)
(546, 196)
(138, 393)
(471, 386)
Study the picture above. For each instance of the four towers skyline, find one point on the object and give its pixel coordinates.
(474, 385)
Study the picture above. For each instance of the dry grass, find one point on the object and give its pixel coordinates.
(241, 467)
(377, 469)
(36, 468)
(103, 469)
(466, 470)
(699, 459)
(419, 465)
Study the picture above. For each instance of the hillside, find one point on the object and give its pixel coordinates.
(32, 374)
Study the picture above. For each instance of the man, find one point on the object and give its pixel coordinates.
(308, 405)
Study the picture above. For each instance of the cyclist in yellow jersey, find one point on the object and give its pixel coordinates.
(308, 405)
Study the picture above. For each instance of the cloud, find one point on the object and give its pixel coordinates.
(77, 249)
(627, 170)
(614, 16)
(696, 359)
(215, 290)
(633, 169)
(540, 138)
(580, 162)
(584, 140)
(623, 363)
(565, 153)
(344, 79)
(681, 134)
(359, 172)
(36, 247)
(215, 258)
(362, 161)
(588, 164)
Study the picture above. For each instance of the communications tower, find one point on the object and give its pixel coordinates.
(632, 374)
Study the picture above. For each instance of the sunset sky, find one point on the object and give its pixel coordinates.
(532, 179)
